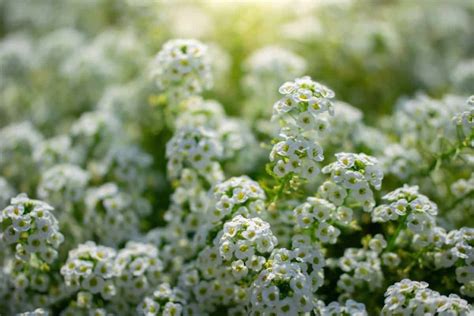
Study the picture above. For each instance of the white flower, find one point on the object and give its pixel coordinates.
(93, 283)
(243, 249)
(239, 270)
(172, 309)
(280, 169)
(352, 179)
(377, 243)
(33, 221)
(182, 68)
(286, 307)
(197, 148)
(22, 223)
(11, 235)
(265, 244)
(255, 263)
(465, 274)
(226, 249)
(271, 295)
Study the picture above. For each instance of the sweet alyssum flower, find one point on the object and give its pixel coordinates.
(361, 267)
(407, 202)
(238, 195)
(111, 215)
(90, 269)
(353, 176)
(350, 307)
(30, 227)
(196, 148)
(138, 271)
(64, 182)
(413, 297)
(166, 301)
(299, 113)
(318, 214)
(243, 238)
(182, 68)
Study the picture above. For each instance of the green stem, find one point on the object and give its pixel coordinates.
(415, 260)
(280, 191)
(393, 239)
(447, 155)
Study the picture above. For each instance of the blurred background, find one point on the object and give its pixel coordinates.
(67, 54)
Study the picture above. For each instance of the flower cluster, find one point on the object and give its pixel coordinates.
(234, 134)
(457, 249)
(296, 155)
(463, 187)
(422, 118)
(138, 269)
(26, 286)
(18, 144)
(318, 213)
(287, 282)
(409, 205)
(282, 221)
(361, 268)
(350, 307)
(30, 227)
(465, 120)
(112, 215)
(244, 242)
(346, 126)
(93, 134)
(182, 67)
(213, 284)
(304, 100)
(198, 112)
(166, 301)
(19, 137)
(186, 215)
(53, 151)
(196, 148)
(89, 269)
(190, 194)
(63, 181)
(237, 196)
(126, 165)
(356, 174)
(400, 161)
(413, 297)
(300, 115)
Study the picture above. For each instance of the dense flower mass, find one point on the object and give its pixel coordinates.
(415, 208)
(357, 174)
(300, 115)
(303, 101)
(414, 297)
(31, 229)
(170, 158)
(239, 195)
(183, 68)
(196, 148)
(88, 268)
(335, 308)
